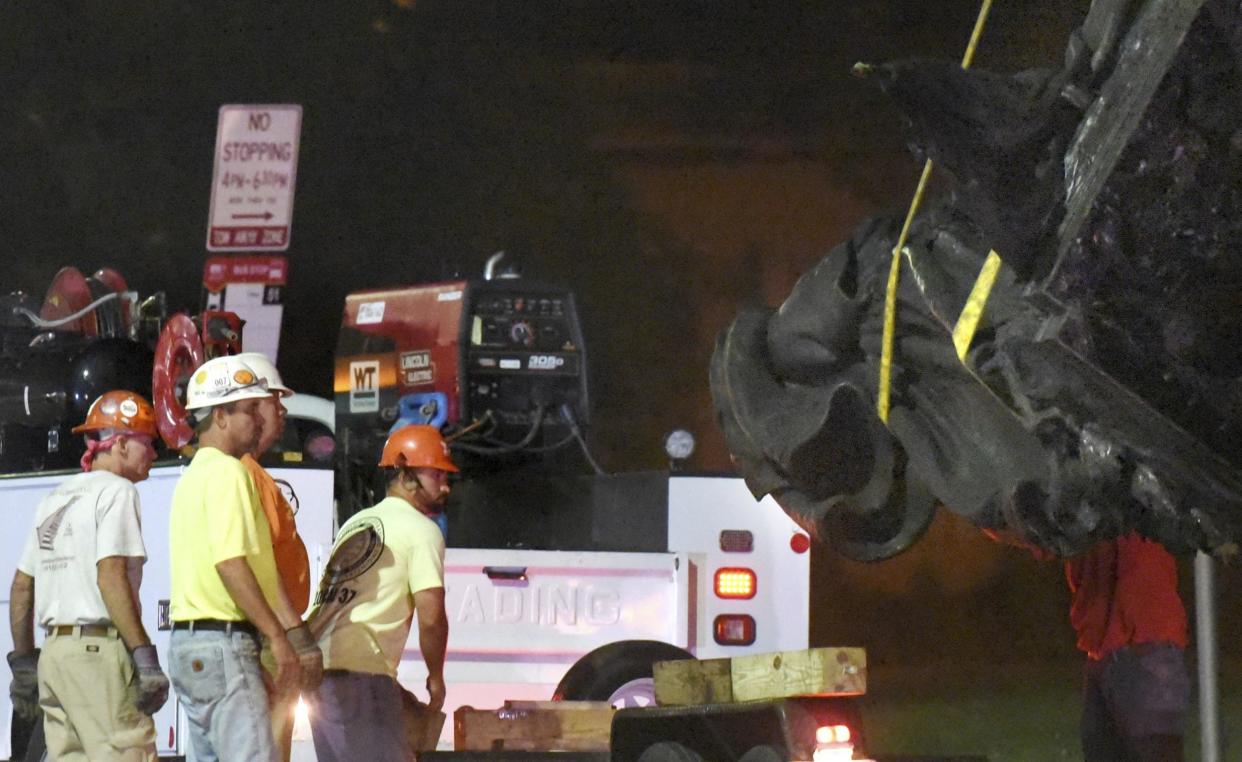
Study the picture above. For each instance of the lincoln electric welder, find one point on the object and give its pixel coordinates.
(498, 364)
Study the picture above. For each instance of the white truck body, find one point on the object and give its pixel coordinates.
(20, 497)
(513, 638)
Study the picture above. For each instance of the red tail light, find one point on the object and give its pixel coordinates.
(734, 629)
(735, 583)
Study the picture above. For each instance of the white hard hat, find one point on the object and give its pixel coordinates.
(265, 369)
(222, 380)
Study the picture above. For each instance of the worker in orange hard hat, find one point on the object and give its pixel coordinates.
(99, 679)
(387, 567)
(415, 446)
(118, 414)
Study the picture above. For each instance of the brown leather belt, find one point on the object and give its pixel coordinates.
(86, 630)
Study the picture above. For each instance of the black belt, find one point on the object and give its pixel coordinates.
(217, 625)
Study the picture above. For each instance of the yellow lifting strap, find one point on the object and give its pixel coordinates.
(890, 297)
(968, 321)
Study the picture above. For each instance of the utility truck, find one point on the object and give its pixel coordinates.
(558, 585)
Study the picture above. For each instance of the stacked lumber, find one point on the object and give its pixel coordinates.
(534, 726)
(787, 674)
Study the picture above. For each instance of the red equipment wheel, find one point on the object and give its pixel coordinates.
(178, 353)
(69, 293)
(115, 282)
(112, 279)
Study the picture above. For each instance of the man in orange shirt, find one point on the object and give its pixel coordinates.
(292, 563)
(1131, 624)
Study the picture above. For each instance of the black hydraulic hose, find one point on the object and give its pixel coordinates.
(554, 446)
(567, 412)
(536, 424)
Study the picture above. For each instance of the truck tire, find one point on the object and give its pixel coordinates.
(669, 751)
(763, 754)
(619, 673)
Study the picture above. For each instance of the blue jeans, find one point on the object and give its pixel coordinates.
(1135, 702)
(220, 684)
(357, 716)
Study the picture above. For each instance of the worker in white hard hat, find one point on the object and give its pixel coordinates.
(226, 592)
(292, 562)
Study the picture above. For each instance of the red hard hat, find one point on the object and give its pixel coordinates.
(417, 446)
(121, 411)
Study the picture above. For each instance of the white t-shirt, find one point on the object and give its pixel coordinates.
(90, 516)
(365, 603)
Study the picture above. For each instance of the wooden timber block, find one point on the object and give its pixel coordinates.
(560, 706)
(422, 726)
(534, 726)
(813, 672)
(690, 681)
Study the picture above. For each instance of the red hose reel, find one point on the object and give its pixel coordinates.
(184, 345)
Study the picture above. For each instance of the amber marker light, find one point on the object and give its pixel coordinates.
(735, 583)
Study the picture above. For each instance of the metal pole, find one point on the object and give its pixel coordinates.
(1205, 639)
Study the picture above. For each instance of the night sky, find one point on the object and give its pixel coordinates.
(667, 161)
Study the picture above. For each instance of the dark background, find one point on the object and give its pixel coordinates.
(668, 161)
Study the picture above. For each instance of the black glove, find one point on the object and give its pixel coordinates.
(152, 682)
(24, 690)
(309, 656)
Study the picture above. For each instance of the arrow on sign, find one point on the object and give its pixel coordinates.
(264, 216)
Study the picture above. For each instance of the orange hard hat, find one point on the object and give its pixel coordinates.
(121, 411)
(417, 446)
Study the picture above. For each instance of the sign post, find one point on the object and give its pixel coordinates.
(256, 164)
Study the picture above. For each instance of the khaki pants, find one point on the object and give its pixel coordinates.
(281, 708)
(87, 690)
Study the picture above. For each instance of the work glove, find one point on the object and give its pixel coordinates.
(24, 690)
(152, 682)
(309, 656)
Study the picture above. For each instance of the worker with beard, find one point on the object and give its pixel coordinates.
(386, 569)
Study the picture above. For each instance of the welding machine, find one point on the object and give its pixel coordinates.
(498, 364)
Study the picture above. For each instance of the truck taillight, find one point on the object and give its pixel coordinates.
(736, 583)
(737, 541)
(832, 744)
(832, 734)
(734, 629)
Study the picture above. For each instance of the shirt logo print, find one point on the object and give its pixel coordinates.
(50, 526)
